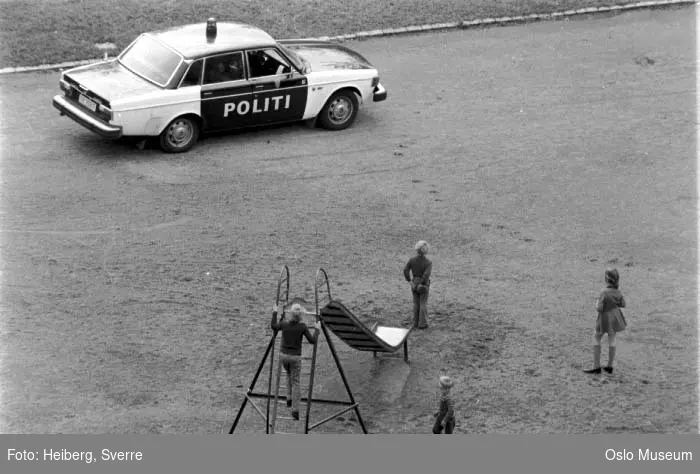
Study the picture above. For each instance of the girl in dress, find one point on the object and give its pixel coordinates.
(610, 320)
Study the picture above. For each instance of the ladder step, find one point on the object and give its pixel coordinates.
(301, 377)
(289, 418)
(283, 392)
(282, 400)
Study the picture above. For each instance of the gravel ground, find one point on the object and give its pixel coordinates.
(137, 286)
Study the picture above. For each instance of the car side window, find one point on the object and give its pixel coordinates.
(194, 74)
(224, 68)
(267, 62)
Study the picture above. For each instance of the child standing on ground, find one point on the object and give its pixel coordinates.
(417, 272)
(293, 332)
(610, 320)
(446, 412)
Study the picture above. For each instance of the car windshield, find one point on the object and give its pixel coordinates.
(294, 57)
(151, 60)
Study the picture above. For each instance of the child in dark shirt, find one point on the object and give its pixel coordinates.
(293, 332)
(417, 272)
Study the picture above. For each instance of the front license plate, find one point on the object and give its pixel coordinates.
(87, 103)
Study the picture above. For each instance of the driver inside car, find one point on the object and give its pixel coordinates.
(264, 65)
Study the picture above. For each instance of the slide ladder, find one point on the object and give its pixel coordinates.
(271, 416)
(292, 425)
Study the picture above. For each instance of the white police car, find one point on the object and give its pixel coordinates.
(179, 82)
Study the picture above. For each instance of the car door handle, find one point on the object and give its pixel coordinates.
(207, 93)
(258, 87)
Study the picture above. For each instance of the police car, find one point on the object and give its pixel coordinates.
(177, 83)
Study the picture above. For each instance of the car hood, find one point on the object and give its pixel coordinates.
(110, 80)
(327, 56)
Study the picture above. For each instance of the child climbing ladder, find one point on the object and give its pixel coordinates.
(269, 414)
(294, 330)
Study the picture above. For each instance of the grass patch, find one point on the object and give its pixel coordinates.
(34, 32)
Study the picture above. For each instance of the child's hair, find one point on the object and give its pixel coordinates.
(612, 277)
(422, 247)
(295, 313)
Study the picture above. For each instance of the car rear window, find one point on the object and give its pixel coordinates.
(150, 59)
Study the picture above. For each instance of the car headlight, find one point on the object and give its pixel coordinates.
(65, 86)
(375, 81)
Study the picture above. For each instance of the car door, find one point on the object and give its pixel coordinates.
(279, 91)
(226, 94)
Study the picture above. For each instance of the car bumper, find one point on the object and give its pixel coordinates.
(379, 93)
(86, 120)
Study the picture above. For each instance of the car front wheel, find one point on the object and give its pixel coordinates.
(180, 135)
(340, 111)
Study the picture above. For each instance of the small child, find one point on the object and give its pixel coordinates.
(446, 411)
(610, 320)
(293, 332)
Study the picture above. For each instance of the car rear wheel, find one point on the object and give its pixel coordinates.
(180, 135)
(340, 110)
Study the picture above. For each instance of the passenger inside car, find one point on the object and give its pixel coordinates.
(235, 67)
(224, 69)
